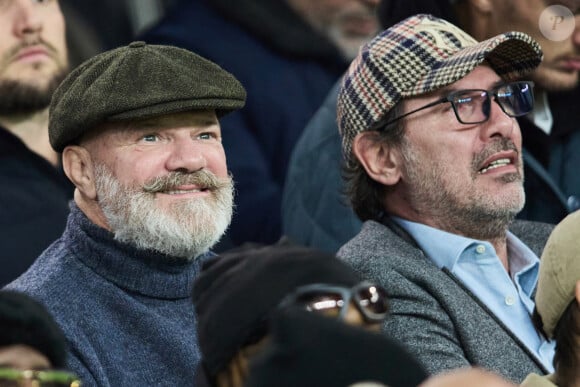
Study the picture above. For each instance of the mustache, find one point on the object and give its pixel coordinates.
(202, 178)
(28, 42)
(501, 144)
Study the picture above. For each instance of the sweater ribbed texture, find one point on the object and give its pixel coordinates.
(126, 313)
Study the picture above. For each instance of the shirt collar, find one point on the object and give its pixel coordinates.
(445, 249)
(442, 247)
(523, 263)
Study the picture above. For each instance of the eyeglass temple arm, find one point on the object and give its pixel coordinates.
(383, 126)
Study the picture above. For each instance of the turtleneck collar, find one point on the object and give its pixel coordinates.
(145, 272)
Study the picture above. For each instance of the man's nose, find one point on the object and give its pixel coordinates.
(185, 156)
(353, 316)
(498, 124)
(27, 19)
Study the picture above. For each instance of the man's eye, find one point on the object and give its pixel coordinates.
(446, 107)
(464, 101)
(149, 138)
(207, 136)
(465, 104)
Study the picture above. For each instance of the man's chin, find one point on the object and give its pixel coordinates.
(186, 244)
(181, 231)
(555, 80)
(28, 95)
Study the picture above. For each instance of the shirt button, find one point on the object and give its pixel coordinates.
(480, 249)
(509, 300)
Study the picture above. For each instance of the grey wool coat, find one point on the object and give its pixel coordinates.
(441, 322)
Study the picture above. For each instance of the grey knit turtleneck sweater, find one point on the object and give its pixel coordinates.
(127, 314)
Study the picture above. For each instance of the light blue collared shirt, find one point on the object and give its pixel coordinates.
(476, 264)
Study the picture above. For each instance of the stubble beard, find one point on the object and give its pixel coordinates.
(461, 210)
(21, 98)
(185, 230)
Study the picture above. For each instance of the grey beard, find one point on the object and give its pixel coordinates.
(348, 48)
(20, 98)
(189, 228)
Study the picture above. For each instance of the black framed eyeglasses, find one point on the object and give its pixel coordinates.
(10, 377)
(473, 106)
(371, 300)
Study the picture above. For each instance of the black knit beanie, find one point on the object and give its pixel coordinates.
(307, 349)
(25, 321)
(236, 293)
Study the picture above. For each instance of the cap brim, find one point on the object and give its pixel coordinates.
(511, 55)
(220, 105)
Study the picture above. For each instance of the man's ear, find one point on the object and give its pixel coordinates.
(79, 168)
(577, 292)
(379, 159)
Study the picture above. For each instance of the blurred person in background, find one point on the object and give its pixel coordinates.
(467, 377)
(35, 192)
(309, 350)
(237, 293)
(32, 346)
(557, 312)
(551, 134)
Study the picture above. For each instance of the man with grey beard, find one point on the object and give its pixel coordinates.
(288, 54)
(35, 192)
(141, 142)
(433, 152)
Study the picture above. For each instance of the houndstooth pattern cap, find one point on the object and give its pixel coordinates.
(416, 56)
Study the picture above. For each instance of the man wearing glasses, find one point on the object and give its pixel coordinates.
(434, 167)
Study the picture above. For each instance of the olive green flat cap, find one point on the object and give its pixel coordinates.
(138, 81)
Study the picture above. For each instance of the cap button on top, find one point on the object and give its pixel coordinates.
(137, 44)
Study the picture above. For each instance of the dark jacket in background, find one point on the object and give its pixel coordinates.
(552, 179)
(315, 212)
(287, 69)
(34, 199)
